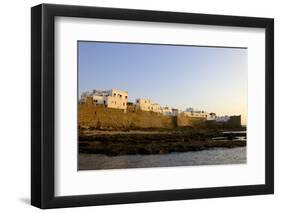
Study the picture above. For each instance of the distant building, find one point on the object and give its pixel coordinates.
(110, 98)
(194, 113)
(175, 111)
(166, 110)
(143, 104)
(147, 105)
(156, 108)
(211, 116)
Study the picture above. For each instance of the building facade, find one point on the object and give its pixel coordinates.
(175, 112)
(113, 98)
(167, 110)
(147, 105)
(156, 108)
(211, 116)
(143, 104)
(194, 113)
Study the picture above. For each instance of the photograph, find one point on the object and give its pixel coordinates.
(138, 105)
(160, 105)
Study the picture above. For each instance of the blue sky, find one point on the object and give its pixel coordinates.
(209, 78)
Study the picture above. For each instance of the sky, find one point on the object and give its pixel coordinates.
(213, 79)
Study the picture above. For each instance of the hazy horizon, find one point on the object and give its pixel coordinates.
(212, 79)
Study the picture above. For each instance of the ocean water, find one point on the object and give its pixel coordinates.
(217, 156)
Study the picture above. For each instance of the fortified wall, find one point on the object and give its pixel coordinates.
(91, 115)
(97, 116)
(94, 116)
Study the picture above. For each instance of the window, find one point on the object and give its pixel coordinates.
(126, 97)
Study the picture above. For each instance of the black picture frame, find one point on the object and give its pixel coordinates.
(43, 105)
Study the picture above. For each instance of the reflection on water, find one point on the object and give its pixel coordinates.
(205, 157)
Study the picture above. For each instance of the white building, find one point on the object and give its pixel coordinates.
(156, 108)
(147, 105)
(110, 98)
(175, 111)
(211, 116)
(143, 104)
(166, 110)
(194, 113)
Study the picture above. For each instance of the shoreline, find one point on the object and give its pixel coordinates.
(146, 143)
(172, 148)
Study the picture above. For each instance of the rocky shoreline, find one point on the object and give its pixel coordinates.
(162, 142)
